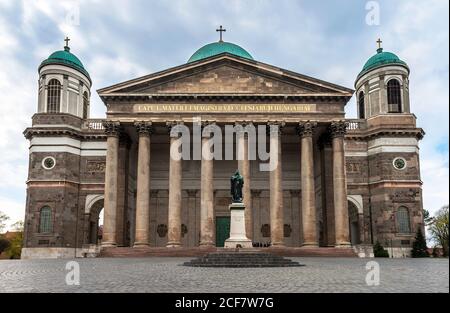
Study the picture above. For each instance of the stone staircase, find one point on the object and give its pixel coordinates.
(241, 259)
(142, 252)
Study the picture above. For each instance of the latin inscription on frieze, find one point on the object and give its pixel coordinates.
(224, 108)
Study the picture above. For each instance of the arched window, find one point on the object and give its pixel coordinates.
(394, 96)
(53, 96)
(403, 222)
(45, 220)
(361, 105)
(85, 105)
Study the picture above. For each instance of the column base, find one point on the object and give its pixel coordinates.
(233, 243)
(343, 245)
(140, 244)
(173, 245)
(109, 245)
(310, 245)
(207, 245)
(278, 245)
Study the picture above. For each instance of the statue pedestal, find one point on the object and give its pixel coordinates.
(237, 239)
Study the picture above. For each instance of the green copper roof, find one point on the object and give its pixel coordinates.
(380, 59)
(216, 48)
(65, 57)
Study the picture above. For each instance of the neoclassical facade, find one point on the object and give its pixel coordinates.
(336, 182)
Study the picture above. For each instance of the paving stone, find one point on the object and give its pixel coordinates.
(168, 275)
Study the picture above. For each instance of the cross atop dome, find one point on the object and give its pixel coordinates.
(221, 30)
(66, 47)
(380, 47)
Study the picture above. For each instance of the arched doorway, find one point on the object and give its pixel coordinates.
(353, 217)
(94, 219)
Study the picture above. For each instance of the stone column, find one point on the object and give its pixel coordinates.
(338, 130)
(143, 185)
(175, 172)
(328, 190)
(244, 169)
(112, 130)
(207, 222)
(276, 191)
(309, 220)
(122, 189)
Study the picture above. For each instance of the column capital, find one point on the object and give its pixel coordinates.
(192, 193)
(306, 129)
(170, 125)
(112, 129)
(144, 128)
(206, 124)
(338, 129)
(275, 127)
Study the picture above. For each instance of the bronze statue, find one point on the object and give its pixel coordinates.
(237, 182)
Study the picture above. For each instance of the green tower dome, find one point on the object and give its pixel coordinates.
(216, 48)
(65, 57)
(381, 59)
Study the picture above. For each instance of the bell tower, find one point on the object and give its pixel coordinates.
(391, 144)
(52, 223)
(382, 87)
(64, 85)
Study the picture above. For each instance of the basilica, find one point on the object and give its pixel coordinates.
(337, 183)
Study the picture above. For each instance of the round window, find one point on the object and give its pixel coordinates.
(48, 163)
(399, 163)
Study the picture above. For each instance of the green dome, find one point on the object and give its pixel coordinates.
(216, 48)
(381, 59)
(65, 57)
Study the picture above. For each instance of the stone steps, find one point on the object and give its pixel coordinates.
(142, 252)
(241, 259)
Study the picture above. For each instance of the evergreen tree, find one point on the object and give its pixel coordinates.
(379, 251)
(419, 249)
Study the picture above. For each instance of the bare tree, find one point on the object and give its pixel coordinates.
(439, 229)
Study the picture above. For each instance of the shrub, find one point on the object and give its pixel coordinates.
(379, 251)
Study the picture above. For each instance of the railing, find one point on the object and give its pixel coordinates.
(97, 124)
(356, 124)
(93, 124)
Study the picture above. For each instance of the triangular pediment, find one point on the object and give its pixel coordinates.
(225, 74)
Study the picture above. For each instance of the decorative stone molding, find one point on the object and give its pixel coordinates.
(405, 196)
(306, 129)
(91, 200)
(48, 163)
(93, 167)
(338, 129)
(112, 129)
(357, 200)
(162, 230)
(144, 128)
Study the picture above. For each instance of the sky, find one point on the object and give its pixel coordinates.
(121, 40)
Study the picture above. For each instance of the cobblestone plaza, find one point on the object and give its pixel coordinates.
(157, 275)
